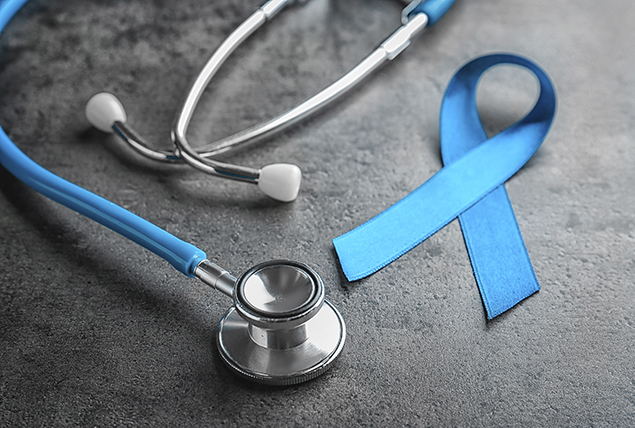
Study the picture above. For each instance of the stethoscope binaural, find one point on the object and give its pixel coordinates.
(279, 181)
(281, 330)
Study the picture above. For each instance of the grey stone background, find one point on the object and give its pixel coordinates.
(95, 331)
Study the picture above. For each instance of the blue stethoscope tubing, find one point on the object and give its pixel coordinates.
(184, 256)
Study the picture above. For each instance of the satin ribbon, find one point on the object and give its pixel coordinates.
(469, 186)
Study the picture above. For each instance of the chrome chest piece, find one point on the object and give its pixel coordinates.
(281, 330)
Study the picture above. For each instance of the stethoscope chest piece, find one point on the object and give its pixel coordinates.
(281, 330)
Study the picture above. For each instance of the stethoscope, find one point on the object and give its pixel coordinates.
(281, 330)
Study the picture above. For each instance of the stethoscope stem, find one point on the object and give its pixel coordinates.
(216, 277)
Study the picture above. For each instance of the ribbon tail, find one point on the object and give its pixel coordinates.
(499, 258)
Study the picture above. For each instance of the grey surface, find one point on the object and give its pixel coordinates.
(95, 331)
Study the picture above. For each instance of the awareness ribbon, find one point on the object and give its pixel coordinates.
(471, 187)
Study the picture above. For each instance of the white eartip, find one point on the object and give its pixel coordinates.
(280, 181)
(103, 110)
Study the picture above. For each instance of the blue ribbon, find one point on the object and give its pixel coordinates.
(469, 186)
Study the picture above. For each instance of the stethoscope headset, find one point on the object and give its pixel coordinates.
(281, 330)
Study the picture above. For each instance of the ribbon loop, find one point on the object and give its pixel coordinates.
(469, 186)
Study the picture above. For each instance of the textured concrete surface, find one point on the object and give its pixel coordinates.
(95, 331)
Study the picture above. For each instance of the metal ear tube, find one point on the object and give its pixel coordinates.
(280, 181)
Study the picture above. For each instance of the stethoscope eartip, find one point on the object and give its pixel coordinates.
(280, 181)
(103, 110)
